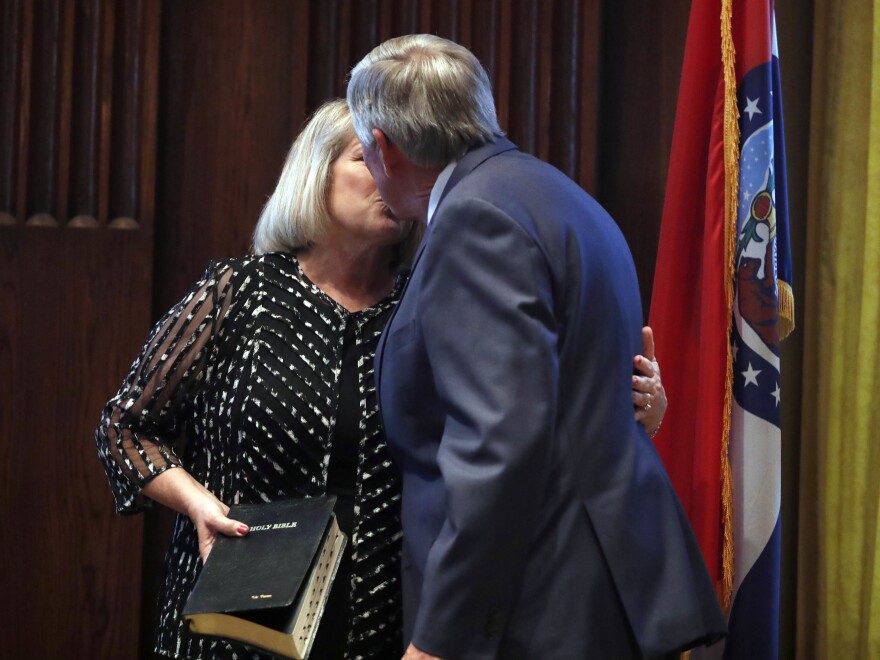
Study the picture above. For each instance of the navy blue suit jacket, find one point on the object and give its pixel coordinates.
(538, 519)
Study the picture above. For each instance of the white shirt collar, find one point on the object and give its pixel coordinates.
(439, 186)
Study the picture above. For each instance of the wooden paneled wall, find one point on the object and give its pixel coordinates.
(140, 138)
(643, 48)
(78, 111)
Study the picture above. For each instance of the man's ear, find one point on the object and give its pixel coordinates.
(389, 154)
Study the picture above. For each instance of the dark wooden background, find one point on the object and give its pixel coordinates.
(140, 138)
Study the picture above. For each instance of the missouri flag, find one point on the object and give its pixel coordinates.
(721, 303)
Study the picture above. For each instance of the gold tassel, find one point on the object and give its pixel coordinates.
(731, 193)
(786, 309)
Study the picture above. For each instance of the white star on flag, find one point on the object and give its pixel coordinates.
(752, 107)
(751, 375)
(777, 394)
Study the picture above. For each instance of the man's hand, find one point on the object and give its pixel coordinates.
(412, 653)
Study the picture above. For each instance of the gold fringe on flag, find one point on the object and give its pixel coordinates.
(731, 193)
(786, 308)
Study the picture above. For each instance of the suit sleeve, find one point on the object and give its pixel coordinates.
(486, 309)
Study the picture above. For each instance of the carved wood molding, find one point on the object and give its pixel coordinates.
(541, 55)
(78, 126)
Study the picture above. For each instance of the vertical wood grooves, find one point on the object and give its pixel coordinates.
(43, 145)
(77, 124)
(10, 68)
(343, 54)
(150, 28)
(565, 75)
(325, 30)
(364, 32)
(588, 82)
(385, 22)
(523, 75)
(482, 30)
(425, 22)
(65, 93)
(541, 56)
(106, 90)
(125, 119)
(465, 24)
(27, 46)
(504, 37)
(443, 18)
(405, 17)
(84, 172)
(81, 112)
(547, 50)
(301, 46)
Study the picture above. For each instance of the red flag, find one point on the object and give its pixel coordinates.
(692, 294)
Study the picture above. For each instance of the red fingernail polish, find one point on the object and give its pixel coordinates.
(242, 529)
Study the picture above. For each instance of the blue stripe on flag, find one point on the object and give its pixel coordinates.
(753, 633)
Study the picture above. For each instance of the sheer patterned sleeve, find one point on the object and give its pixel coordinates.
(141, 423)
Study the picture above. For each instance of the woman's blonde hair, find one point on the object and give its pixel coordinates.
(297, 213)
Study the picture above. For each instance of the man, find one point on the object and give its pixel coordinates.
(538, 520)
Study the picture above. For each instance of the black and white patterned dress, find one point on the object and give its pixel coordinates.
(246, 370)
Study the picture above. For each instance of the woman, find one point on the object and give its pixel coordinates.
(265, 369)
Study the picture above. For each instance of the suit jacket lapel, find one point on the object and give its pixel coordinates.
(383, 339)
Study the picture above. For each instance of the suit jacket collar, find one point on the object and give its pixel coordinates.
(475, 157)
(468, 163)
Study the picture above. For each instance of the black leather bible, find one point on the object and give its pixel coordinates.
(268, 589)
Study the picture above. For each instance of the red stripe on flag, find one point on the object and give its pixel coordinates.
(689, 311)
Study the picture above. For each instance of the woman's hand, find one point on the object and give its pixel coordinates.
(176, 489)
(648, 395)
(209, 517)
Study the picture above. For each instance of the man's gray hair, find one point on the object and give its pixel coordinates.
(297, 213)
(429, 96)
